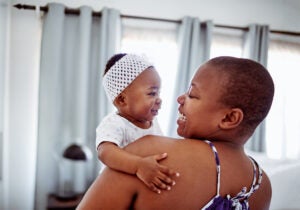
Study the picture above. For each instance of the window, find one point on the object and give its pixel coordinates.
(157, 41)
(283, 121)
(226, 42)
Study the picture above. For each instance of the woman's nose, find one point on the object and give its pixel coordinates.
(180, 99)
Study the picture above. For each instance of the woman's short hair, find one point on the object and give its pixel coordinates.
(248, 86)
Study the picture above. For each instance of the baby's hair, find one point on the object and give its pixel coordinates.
(112, 61)
(248, 86)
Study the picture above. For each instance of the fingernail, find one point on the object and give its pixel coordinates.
(158, 191)
(173, 183)
(168, 188)
(177, 174)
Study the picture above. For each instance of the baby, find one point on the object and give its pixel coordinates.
(133, 86)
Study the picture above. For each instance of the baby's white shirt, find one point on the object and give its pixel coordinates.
(116, 129)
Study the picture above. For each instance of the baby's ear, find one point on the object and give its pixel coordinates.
(232, 119)
(120, 100)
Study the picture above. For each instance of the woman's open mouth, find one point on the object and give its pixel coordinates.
(181, 117)
(181, 122)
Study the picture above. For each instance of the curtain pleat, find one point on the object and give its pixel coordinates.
(110, 24)
(194, 49)
(71, 98)
(83, 65)
(50, 103)
(256, 48)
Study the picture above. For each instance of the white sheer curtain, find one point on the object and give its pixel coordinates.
(226, 42)
(194, 49)
(157, 41)
(256, 48)
(283, 122)
(71, 100)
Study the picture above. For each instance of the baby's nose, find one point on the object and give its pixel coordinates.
(158, 101)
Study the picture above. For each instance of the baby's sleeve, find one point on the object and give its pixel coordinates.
(110, 130)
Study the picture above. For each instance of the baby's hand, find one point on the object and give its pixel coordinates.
(156, 176)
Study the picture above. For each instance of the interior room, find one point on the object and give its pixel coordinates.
(51, 98)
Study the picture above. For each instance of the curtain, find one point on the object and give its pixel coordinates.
(72, 102)
(256, 48)
(3, 60)
(194, 49)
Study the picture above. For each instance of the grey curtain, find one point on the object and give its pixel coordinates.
(71, 100)
(256, 47)
(194, 48)
(3, 60)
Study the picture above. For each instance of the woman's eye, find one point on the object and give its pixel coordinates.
(189, 92)
(152, 94)
(192, 96)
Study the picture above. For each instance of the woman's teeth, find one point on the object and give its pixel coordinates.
(181, 117)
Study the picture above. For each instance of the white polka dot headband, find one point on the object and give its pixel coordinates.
(122, 73)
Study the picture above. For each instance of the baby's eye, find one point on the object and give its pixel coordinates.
(152, 93)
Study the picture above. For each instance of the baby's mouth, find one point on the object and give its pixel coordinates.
(154, 112)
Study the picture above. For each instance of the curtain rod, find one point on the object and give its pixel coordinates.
(98, 14)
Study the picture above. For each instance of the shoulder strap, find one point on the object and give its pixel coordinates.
(244, 195)
(218, 166)
(256, 182)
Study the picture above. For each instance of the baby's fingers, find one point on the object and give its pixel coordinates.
(167, 171)
(160, 156)
(153, 187)
(165, 179)
(161, 185)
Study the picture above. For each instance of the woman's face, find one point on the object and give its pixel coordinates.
(200, 111)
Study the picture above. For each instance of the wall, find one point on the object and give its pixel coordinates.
(22, 79)
(279, 14)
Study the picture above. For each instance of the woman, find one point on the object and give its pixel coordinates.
(227, 99)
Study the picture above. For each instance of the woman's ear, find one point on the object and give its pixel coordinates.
(232, 119)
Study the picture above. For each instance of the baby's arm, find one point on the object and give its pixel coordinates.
(156, 176)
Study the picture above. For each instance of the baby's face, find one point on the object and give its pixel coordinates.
(142, 96)
(200, 108)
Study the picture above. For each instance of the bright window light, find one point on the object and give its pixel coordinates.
(283, 121)
(157, 41)
(226, 42)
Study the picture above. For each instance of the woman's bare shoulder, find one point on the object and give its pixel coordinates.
(152, 144)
